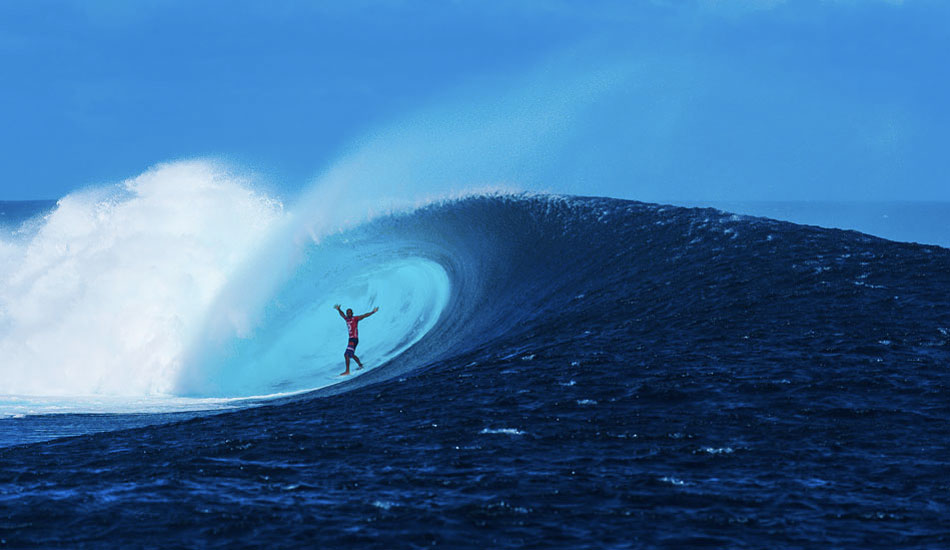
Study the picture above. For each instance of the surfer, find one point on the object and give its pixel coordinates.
(351, 322)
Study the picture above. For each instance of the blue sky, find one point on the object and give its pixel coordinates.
(702, 100)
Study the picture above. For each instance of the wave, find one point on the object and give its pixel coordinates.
(207, 294)
(185, 288)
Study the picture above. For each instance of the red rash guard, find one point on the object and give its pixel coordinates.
(351, 326)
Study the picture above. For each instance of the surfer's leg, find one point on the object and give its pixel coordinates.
(347, 358)
(350, 352)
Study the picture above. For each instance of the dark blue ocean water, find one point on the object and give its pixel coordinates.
(608, 374)
(908, 221)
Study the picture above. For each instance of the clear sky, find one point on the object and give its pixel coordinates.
(652, 100)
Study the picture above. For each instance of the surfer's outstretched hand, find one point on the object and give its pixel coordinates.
(375, 309)
(337, 306)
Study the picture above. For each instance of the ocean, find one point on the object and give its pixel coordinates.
(544, 372)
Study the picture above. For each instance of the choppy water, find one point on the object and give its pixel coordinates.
(602, 374)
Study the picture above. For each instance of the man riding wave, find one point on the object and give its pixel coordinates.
(351, 326)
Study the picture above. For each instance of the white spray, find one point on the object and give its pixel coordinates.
(102, 298)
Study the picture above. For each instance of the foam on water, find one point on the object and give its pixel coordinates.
(101, 297)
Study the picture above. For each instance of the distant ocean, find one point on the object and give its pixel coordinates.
(13, 214)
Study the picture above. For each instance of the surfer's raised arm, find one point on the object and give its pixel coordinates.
(338, 310)
(365, 315)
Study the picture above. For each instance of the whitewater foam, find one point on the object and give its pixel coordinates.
(504, 431)
(101, 297)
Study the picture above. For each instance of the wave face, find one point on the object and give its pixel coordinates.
(550, 371)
